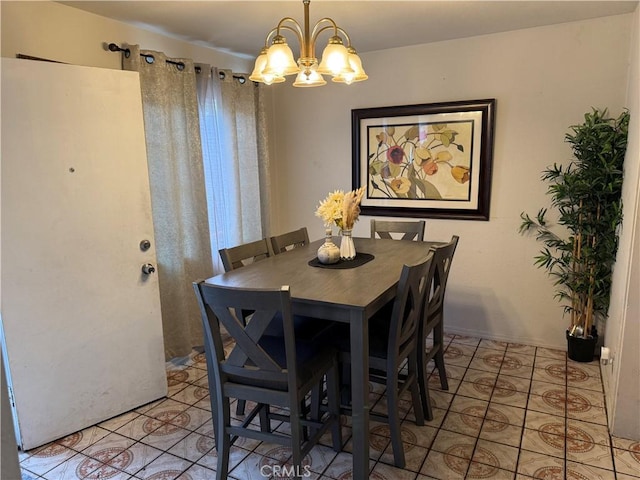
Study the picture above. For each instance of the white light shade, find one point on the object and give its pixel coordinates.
(280, 60)
(258, 68)
(258, 74)
(335, 59)
(309, 78)
(268, 79)
(358, 72)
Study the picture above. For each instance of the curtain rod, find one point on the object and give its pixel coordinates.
(149, 58)
(179, 65)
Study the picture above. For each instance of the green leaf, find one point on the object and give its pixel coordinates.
(428, 189)
(376, 167)
(412, 132)
(394, 170)
(446, 138)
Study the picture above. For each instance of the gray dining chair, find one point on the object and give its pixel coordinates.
(287, 241)
(241, 255)
(245, 254)
(269, 371)
(393, 339)
(433, 321)
(412, 230)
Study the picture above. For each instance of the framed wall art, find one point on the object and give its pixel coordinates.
(430, 160)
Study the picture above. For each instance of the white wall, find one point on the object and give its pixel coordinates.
(622, 376)
(58, 32)
(544, 80)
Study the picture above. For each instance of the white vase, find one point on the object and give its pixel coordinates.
(328, 252)
(347, 248)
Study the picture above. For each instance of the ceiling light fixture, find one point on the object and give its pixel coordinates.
(276, 61)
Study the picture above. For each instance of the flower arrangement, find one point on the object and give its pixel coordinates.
(341, 208)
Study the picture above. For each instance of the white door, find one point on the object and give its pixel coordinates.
(81, 322)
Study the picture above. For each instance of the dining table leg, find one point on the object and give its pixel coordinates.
(359, 331)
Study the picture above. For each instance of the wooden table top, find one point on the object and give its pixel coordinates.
(366, 287)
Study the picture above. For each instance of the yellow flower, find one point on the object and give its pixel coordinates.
(460, 174)
(330, 209)
(443, 156)
(400, 185)
(381, 137)
(421, 154)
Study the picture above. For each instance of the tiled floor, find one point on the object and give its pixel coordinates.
(511, 412)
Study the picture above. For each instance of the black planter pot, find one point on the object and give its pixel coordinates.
(581, 349)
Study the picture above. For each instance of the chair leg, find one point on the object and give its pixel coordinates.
(416, 399)
(425, 399)
(240, 407)
(316, 401)
(438, 339)
(417, 405)
(265, 418)
(423, 382)
(306, 431)
(223, 440)
(394, 421)
(333, 398)
(296, 442)
(439, 359)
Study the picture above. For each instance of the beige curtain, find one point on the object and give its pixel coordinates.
(236, 157)
(178, 200)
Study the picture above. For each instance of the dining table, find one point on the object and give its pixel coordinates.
(342, 294)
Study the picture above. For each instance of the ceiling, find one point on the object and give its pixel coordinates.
(239, 27)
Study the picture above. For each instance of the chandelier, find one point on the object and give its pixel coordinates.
(276, 61)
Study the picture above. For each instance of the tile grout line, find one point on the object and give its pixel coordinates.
(606, 414)
(448, 406)
(492, 388)
(484, 418)
(526, 410)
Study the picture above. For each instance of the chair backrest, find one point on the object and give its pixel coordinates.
(440, 268)
(287, 241)
(409, 230)
(241, 255)
(407, 310)
(253, 361)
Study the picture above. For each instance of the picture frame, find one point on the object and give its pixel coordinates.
(428, 160)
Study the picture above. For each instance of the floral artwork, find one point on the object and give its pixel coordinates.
(415, 161)
(431, 160)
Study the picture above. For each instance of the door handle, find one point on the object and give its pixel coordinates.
(148, 269)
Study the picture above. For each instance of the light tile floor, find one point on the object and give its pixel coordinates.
(511, 412)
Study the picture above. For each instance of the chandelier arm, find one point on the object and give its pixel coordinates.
(297, 29)
(268, 37)
(346, 36)
(318, 28)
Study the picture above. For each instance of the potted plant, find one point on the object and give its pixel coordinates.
(587, 197)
